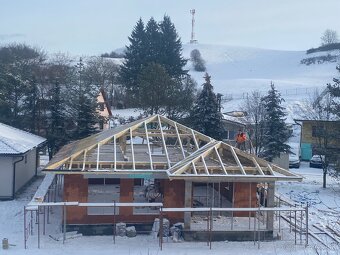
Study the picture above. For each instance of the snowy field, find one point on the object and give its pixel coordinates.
(324, 210)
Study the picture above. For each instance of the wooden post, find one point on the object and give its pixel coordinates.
(64, 223)
(161, 228)
(114, 221)
(25, 230)
(307, 225)
(295, 228)
(38, 216)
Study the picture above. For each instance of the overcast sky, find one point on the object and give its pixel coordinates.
(96, 26)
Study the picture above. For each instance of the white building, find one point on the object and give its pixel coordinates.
(19, 158)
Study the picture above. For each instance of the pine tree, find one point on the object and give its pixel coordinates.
(135, 60)
(153, 51)
(154, 43)
(30, 106)
(56, 135)
(155, 84)
(205, 116)
(276, 132)
(334, 90)
(86, 116)
(171, 51)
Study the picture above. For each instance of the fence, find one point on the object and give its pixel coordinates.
(284, 92)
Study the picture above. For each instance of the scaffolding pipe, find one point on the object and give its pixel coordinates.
(307, 225)
(25, 231)
(161, 227)
(38, 216)
(258, 230)
(295, 227)
(114, 222)
(64, 223)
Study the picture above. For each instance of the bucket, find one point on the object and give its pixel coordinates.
(5, 244)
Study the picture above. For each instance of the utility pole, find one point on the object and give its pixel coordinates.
(193, 40)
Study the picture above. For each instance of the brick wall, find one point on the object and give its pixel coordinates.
(75, 189)
(244, 196)
(174, 196)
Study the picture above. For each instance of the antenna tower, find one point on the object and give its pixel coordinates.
(192, 40)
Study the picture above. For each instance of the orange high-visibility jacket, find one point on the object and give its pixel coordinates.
(240, 138)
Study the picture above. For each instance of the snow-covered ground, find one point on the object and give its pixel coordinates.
(324, 210)
(237, 71)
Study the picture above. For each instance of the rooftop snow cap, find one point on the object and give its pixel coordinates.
(15, 141)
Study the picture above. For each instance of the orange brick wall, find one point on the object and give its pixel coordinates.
(126, 196)
(244, 196)
(75, 189)
(174, 198)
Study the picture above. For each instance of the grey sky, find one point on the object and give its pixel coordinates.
(97, 26)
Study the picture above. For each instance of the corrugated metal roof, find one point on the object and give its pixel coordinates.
(16, 141)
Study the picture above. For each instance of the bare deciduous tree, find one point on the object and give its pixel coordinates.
(318, 109)
(254, 119)
(329, 36)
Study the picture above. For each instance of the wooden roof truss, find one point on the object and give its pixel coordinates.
(158, 144)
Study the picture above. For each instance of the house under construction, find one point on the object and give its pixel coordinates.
(158, 161)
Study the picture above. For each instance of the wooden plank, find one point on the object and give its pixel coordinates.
(221, 162)
(85, 152)
(179, 140)
(148, 144)
(257, 166)
(164, 143)
(132, 151)
(237, 160)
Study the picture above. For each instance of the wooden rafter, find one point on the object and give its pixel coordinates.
(179, 141)
(220, 160)
(148, 144)
(237, 160)
(164, 143)
(132, 151)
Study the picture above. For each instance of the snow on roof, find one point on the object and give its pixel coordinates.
(16, 141)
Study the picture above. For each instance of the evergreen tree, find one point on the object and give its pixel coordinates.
(155, 84)
(56, 135)
(18, 63)
(135, 60)
(154, 43)
(276, 132)
(205, 116)
(85, 107)
(153, 50)
(197, 61)
(171, 49)
(334, 90)
(30, 106)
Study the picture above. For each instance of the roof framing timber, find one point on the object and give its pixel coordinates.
(180, 152)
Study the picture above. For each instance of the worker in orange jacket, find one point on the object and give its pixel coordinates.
(241, 140)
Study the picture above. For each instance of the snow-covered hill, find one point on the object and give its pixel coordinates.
(236, 71)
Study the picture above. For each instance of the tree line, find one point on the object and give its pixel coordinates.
(52, 96)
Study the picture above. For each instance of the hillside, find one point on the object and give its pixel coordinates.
(236, 71)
